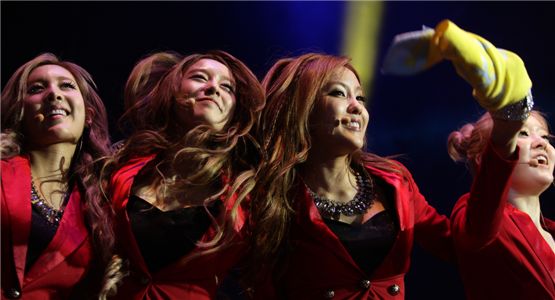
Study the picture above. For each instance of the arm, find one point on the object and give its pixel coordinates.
(477, 217)
(502, 86)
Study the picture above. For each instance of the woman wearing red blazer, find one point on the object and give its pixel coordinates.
(332, 221)
(504, 245)
(55, 223)
(179, 183)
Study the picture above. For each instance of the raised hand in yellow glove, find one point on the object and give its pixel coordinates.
(498, 76)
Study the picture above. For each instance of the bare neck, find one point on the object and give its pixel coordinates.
(329, 176)
(52, 162)
(527, 204)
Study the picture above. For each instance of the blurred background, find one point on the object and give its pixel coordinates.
(410, 116)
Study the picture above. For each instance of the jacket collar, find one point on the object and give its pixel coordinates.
(71, 232)
(536, 242)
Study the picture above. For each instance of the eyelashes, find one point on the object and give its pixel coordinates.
(339, 93)
(36, 88)
(228, 87)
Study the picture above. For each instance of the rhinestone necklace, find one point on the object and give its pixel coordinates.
(51, 214)
(362, 201)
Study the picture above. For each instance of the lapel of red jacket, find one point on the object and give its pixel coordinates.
(16, 185)
(311, 221)
(535, 240)
(71, 233)
(395, 259)
(401, 205)
(122, 181)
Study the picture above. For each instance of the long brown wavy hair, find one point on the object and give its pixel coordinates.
(86, 162)
(199, 156)
(293, 87)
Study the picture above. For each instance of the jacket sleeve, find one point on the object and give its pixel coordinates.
(477, 216)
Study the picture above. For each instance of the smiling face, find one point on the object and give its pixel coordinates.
(339, 120)
(207, 95)
(53, 107)
(534, 172)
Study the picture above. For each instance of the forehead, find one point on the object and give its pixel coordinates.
(211, 65)
(536, 122)
(46, 71)
(345, 75)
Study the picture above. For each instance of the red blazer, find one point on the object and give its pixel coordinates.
(195, 279)
(320, 267)
(65, 260)
(501, 253)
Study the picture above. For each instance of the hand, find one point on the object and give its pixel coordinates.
(498, 76)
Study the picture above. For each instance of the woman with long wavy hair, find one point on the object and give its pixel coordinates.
(180, 182)
(55, 223)
(331, 219)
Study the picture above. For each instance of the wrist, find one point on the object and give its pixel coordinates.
(518, 111)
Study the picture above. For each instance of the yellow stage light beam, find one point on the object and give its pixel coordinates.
(360, 39)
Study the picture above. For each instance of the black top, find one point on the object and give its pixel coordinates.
(367, 243)
(370, 242)
(42, 232)
(165, 236)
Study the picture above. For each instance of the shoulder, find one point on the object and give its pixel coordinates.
(14, 160)
(14, 164)
(131, 167)
(392, 170)
(122, 178)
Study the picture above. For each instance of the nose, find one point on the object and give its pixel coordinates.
(539, 142)
(355, 107)
(212, 89)
(54, 95)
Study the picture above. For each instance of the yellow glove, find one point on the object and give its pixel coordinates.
(498, 76)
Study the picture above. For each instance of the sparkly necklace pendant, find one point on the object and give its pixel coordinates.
(52, 215)
(362, 201)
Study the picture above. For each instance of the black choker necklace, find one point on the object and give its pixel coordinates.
(362, 201)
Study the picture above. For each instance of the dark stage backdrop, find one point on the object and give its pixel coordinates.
(409, 116)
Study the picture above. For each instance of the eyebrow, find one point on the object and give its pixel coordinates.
(357, 89)
(207, 71)
(44, 79)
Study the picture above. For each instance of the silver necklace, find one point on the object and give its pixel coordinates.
(363, 199)
(51, 214)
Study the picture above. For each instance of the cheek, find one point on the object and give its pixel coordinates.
(80, 110)
(30, 111)
(366, 117)
(188, 87)
(31, 104)
(524, 150)
(232, 103)
(551, 152)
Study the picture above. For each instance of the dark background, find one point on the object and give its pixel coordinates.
(410, 116)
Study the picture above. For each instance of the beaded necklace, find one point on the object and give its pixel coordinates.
(52, 215)
(362, 201)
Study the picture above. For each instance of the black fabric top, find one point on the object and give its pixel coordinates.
(165, 236)
(370, 242)
(367, 243)
(42, 232)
